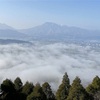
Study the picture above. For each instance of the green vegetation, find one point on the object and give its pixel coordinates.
(10, 90)
(77, 91)
(63, 89)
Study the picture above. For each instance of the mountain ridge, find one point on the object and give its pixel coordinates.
(50, 31)
(5, 26)
(8, 32)
(53, 31)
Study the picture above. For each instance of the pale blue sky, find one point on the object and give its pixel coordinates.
(29, 13)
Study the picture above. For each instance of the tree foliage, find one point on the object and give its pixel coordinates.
(48, 92)
(10, 90)
(63, 89)
(77, 91)
(18, 84)
(27, 88)
(94, 88)
(37, 93)
(7, 86)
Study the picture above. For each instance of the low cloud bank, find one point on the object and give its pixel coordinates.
(40, 62)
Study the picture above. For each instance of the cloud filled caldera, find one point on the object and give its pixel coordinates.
(40, 62)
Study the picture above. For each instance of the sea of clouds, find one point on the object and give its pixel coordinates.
(41, 62)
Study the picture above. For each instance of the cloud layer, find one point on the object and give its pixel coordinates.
(39, 62)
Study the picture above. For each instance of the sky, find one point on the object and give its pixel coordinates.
(22, 14)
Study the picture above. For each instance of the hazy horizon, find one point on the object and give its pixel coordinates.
(22, 14)
(48, 24)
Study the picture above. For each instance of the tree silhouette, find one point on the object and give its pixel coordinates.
(48, 92)
(37, 93)
(63, 89)
(77, 91)
(18, 84)
(8, 90)
(94, 88)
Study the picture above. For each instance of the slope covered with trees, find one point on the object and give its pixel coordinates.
(16, 90)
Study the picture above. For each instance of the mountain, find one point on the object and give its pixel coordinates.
(7, 32)
(4, 26)
(49, 31)
(52, 31)
(10, 41)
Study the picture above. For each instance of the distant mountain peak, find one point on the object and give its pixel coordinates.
(5, 27)
(50, 24)
(55, 31)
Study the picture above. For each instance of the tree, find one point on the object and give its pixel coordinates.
(18, 84)
(7, 86)
(48, 92)
(90, 89)
(8, 90)
(96, 83)
(97, 96)
(94, 88)
(63, 89)
(37, 93)
(77, 91)
(27, 88)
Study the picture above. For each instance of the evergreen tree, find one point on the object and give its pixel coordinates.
(94, 88)
(18, 84)
(7, 86)
(27, 88)
(96, 83)
(77, 91)
(37, 93)
(63, 90)
(90, 89)
(8, 90)
(48, 92)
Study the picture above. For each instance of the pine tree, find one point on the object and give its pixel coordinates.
(8, 90)
(94, 88)
(48, 92)
(37, 93)
(18, 84)
(77, 91)
(27, 88)
(63, 89)
(7, 86)
(96, 83)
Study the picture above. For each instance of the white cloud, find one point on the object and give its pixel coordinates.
(47, 62)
